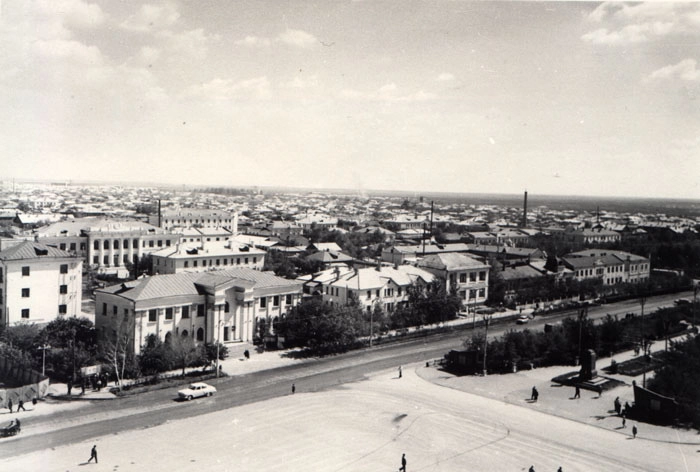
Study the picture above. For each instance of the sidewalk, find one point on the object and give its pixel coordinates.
(558, 400)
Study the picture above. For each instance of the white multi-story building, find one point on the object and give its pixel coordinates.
(225, 306)
(207, 256)
(383, 285)
(467, 276)
(612, 267)
(38, 283)
(197, 218)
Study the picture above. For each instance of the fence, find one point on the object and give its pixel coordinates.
(33, 384)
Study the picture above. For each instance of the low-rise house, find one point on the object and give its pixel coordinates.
(226, 306)
(468, 277)
(38, 283)
(398, 255)
(383, 285)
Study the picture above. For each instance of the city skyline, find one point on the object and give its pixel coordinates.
(560, 98)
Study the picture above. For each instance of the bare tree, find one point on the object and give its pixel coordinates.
(185, 352)
(116, 351)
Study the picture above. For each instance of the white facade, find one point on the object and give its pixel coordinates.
(38, 284)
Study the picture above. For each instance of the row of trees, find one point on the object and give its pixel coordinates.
(323, 328)
(65, 345)
(566, 342)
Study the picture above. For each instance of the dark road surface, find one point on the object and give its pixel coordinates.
(153, 408)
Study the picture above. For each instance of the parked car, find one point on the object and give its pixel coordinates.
(522, 319)
(682, 301)
(198, 389)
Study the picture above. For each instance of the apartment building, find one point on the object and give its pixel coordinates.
(38, 283)
(467, 276)
(226, 305)
(383, 285)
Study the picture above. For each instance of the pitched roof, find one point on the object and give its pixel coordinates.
(450, 261)
(32, 250)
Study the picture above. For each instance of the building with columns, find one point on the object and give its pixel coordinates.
(38, 284)
(196, 218)
(106, 245)
(227, 305)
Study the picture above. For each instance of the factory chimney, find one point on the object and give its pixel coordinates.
(524, 224)
(159, 214)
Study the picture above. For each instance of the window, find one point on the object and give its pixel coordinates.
(116, 244)
(64, 268)
(186, 311)
(194, 263)
(200, 334)
(482, 292)
(238, 260)
(62, 246)
(104, 308)
(116, 259)
(255, 259)
(472, 276)
(25, 312)
(2, 279)
(126, 244)
(114, 310)
(246, 260)
(150, 243)
(126, 258)
(200, 310)
(227, 307)
(105, 260)
(62, 309)
(106, 244)
(136, 243)
(276, 300)
(160, 243)
(25, 271)
(225, 261)
(288, 299)
(25, 293)
(472, 293)
(377, 293)
(82, 246)
(169, 313)
(482, 275)
(126, 314)
(152, 315)
(218, 262)
(369, 294)
(96, 245)
(226, 332)
(263, 302)
(63, 289)
(204, 263)
(95, 259)
(187, 264)
(167, 243)
(463, 278)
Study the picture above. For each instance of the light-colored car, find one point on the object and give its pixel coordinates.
(522, 319)
(198, 389)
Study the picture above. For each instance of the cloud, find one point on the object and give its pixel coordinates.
(685, 70)
(68, 50)
(302, 82)
(226, 89)
(445, 77)
(622, 23)
(298, 38)
(152, 17)
(388, 93)
(253, 41)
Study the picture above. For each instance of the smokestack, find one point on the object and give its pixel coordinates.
(524, 225)
(159, 214)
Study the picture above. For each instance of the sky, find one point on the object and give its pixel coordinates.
(557, 98)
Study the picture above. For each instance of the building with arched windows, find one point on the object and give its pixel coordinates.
(227, 305)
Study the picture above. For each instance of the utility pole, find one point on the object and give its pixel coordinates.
(582, 314)
(43, 349)
(218, 325)
(486, 319)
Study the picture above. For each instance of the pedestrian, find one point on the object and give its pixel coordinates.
(403, 463)
(82, 387)
(9, 405)
(17, 423)
(535, 394)
(246, 354)
(634, 431)
(618, 406)
(20, 406)
(578, 392)
(34, 400)
(400, 372)
(70, 387)
(93, 454)
(624, 421)
(560, 469)
(531, 469)
(294, 388)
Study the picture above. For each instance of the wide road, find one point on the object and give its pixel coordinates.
(141, 411)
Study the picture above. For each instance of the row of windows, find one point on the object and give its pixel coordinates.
(196, 221)
(62, 289)
(62, 310)
(218, 262)
(125, 244)
(115, 258)
(473, 294)
(275, 301)
(26, 271)
(62, 246)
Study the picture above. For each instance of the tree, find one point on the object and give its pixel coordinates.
(211, 351)
(185, 353)
(155, 356)
(73, 345)
(118, 353)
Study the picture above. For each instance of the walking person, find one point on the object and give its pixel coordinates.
(93, 454)
(618, 406)
(294, 388)
(9, 405)
(20, 406)
(531, 469)
(624, 421)
(634, 431)
(534, 394)
(400, 372)
(578, 392)
(403, 463)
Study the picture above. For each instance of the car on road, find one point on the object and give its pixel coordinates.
(522, 319)
(198, 389)
(682, 301)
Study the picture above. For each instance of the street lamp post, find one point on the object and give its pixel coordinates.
(218, 330)
(582, 314)
(43, 349)
(486, 319)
